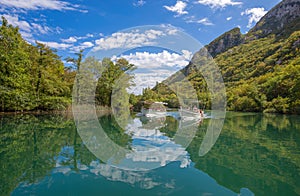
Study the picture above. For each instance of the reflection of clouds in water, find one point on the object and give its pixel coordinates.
(62, 169)
(131, 177)
(134, 178)
(151, 145)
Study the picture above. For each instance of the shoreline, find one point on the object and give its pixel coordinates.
(45, 112)
(107, 110)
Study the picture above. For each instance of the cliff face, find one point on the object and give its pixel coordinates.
(261, 69)
(282, 20)
(224, 42)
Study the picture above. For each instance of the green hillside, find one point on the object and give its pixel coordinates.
(261, 69)
(263, 75)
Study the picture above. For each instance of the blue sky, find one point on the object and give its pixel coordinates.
(71, 25)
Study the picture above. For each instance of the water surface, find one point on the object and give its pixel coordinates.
(255, 154)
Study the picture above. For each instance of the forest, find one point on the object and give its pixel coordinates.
(260, 75)
(34, 78)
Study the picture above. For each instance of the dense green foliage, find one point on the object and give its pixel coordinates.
(263, 75)
(260, 75)
(31, 77)
(261, 69)
(113, 81)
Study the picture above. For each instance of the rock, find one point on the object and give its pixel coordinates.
(224, 42)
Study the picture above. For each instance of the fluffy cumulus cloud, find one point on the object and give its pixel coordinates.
(130, 39)
(82, 46)
(145, 80)
(178, 8)
(40, 4)
(155, 67)
(158, 60)
(216, 4)
(203, 21)
(254, 14)
(69, 40)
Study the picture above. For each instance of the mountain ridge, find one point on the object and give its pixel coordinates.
(261, 69)
(282, 20)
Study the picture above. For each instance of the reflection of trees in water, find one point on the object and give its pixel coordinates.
(170, 127)
(114, 131)
(31, 144)
(260, 152)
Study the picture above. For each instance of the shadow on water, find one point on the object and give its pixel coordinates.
(255, 153)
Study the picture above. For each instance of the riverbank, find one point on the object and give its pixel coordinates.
(102, 109)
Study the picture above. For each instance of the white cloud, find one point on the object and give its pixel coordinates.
(70, 45)
(139, 3)
(56, 45)
(41, 29)
(204, 21)
(14, 20)
(169, 29)
(172, 31)
(83, 46)
(228, 18)
(187, 54)
(145, 80)
(40, 4)
(254, 14)
(27, 29)
(155, 67)
(219, 3)
(178, 8)
(89, 35)
(73, 39)
(69, 40)
(148, 60)
(87, 44)
(128, 39)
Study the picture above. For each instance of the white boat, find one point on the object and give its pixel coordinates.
(152, 113)
(187, 113)
(156, 109)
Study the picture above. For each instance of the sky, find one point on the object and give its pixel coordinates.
(103, 25)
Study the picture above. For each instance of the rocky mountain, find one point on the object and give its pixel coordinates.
(228, 40)
(261, 69)
(282, 20)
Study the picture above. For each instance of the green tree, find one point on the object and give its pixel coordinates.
(111, 74)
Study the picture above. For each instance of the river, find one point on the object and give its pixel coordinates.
(255, 154)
